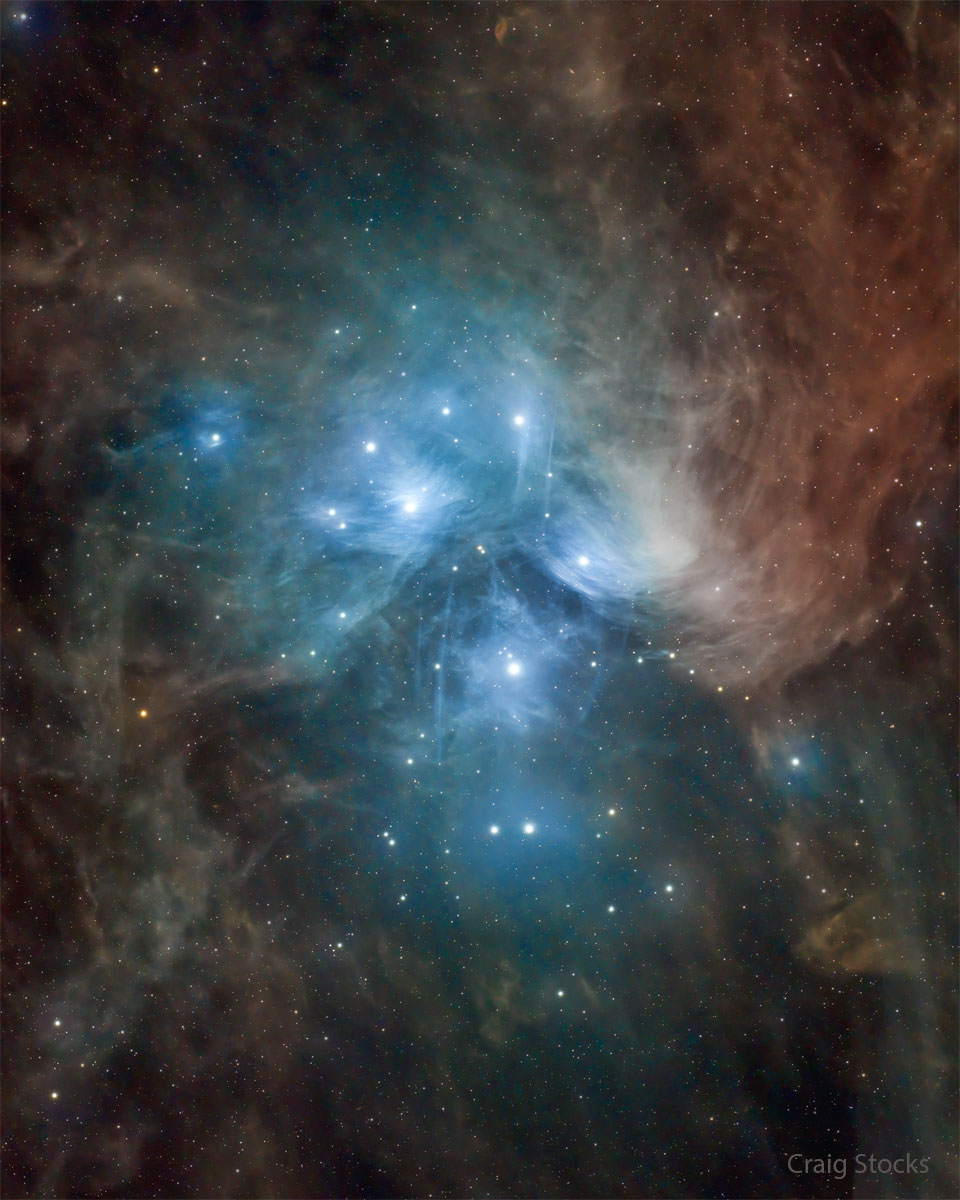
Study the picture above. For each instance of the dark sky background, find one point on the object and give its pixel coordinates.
(480, 599)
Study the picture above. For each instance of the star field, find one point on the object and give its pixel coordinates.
(479, 621)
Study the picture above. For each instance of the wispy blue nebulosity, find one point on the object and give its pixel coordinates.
(479, 617)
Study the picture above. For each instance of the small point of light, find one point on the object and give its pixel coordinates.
(529, 828)
(583, 561)
(343, 616)
(403, 898)
(143, 712)
(560, 992)
(446, 412)
(54, 1095)
(494, 829)
(611, 908)
(331, 512)
(57, 1022)
(519, 420)
(436, 666)
(409, 762)
(410, 507)
(215, 438)
(413, 308)
(313, 654)
(513, 668)
(918, 523)
(639, 660)
(481, 550)
(668, 888)
(611, 812)
(370, 447)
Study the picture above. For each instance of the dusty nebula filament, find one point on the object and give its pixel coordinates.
(479, 625)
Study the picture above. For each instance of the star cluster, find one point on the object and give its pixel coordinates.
(480, 599)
